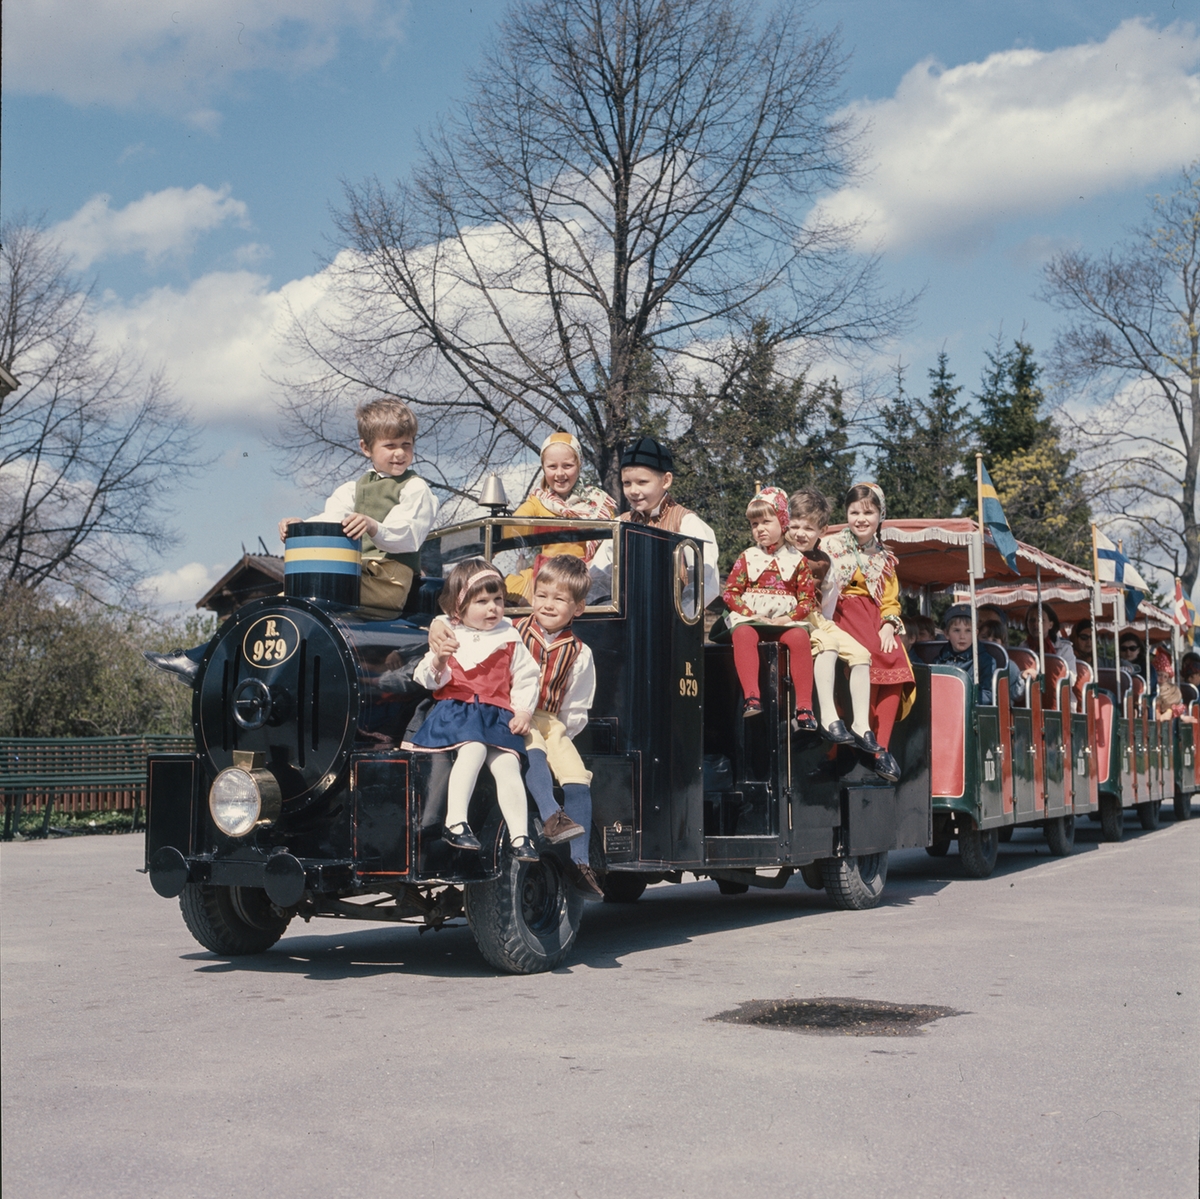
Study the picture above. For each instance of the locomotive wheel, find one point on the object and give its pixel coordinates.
(1060, 835)
(526, 920)
(1183, 807)
(727, 887)
(232, 921)
(1112, 818)
(855, 884)
(977, 850)
(813, 876)
(1148, 814)
(622, 888)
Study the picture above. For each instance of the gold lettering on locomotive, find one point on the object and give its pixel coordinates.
(270, 642)
(689, 685)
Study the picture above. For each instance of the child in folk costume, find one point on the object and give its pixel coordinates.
(769, 593)
(559, 495)
(868, 608)
(486, 689)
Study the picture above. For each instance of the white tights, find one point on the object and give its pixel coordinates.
(824, 673)
(510, 789)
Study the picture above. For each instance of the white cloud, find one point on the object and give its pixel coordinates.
(218, 339)
(956, 151)
(183, 586)
(172, 56)
(162, 223)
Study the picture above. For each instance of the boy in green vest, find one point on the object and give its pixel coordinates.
(390, 508)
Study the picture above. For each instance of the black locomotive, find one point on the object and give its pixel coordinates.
(301, 801)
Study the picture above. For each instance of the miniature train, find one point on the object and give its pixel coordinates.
(300, 799)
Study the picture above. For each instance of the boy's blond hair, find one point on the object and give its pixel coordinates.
(809, 502)
(385, 418)
(568, 570)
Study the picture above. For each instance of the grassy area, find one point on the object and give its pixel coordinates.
(74, 824)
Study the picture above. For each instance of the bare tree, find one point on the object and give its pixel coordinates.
(629, 186)
(89, 443)
(1134, 345)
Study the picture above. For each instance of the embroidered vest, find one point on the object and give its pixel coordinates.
(375, 496)
(555, 659)
(670, 516)
(488, 682)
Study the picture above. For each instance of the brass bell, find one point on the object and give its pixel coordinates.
(492, 496)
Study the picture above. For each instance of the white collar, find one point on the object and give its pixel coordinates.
(785, 559)
(476, 645)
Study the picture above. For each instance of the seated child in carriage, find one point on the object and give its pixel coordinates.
(485, 688)
(566, 689)
(390, 508)
(808, 518)
(559, 495)
(957, 651)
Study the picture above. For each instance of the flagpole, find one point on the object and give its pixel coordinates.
(971, 573)
(1041, 636)
(1097, 612)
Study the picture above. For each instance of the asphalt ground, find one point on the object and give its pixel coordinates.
(367, 1060)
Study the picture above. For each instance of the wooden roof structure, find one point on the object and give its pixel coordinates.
(252, 577)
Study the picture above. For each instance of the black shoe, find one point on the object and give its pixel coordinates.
(752, 707)
(804, 721)
(524, 850)
(866, 741)
(176, 663)
(887, 767)
(461, 837)
(838, 733)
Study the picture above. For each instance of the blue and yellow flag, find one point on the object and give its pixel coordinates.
(991, 516)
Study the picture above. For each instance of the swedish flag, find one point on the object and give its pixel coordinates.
(991, 515)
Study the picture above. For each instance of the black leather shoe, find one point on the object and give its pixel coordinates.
(176, 663)
(887, 767)
(866, 741)
(838, 733)
(524, 850)
(804, 721)
(461, 837)
(752, 707)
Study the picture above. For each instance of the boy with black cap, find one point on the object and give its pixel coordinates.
(956, 621)
(646, 477)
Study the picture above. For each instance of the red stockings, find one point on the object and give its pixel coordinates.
(885, 707)
(745, 659)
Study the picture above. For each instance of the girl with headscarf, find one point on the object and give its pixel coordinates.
(868, 608)
(559, 495)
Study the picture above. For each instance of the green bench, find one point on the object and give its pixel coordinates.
(77, 773)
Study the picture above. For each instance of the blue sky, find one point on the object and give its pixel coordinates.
(189, 156)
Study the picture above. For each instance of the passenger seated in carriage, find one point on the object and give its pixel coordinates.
(1051, 640)
(957, 651)
(1168, 699)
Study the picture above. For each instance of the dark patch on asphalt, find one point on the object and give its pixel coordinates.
(837, 1017)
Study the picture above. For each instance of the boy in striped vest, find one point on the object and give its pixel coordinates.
(566, 689)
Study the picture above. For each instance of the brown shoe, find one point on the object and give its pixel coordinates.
(560, 827)
(587, 882)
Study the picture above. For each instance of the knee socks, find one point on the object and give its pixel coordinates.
(885, 701)
(577, 802)
(800, 664)
(540, 783)
(745, 659)
(824, 673)
(510, 791)
(860, 698)
(467, 764)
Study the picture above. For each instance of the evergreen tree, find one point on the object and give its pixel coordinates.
(919, 457)
(764, 429)
(1035, 478)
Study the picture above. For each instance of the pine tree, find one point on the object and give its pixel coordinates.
(765, 429)
(919, 457)
(1035, 479)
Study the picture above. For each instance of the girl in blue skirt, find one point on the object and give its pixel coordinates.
(486, 685)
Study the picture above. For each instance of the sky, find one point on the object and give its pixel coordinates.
(189, 157)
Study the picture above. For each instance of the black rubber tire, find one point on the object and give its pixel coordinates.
(526, 920)
(813, 875)
(855, 884)
(728, 887)
(1060, 835)
(1112, 818)
(977, 850)
(1183, 807)
(232, 921)
(620, 887)
(1148, 814)
(1005, 833)
(939, 847)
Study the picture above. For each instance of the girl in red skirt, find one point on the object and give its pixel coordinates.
(868, 608)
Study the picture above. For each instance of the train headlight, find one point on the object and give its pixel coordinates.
(244, 796)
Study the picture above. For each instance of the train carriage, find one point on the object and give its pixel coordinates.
(301, 799)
